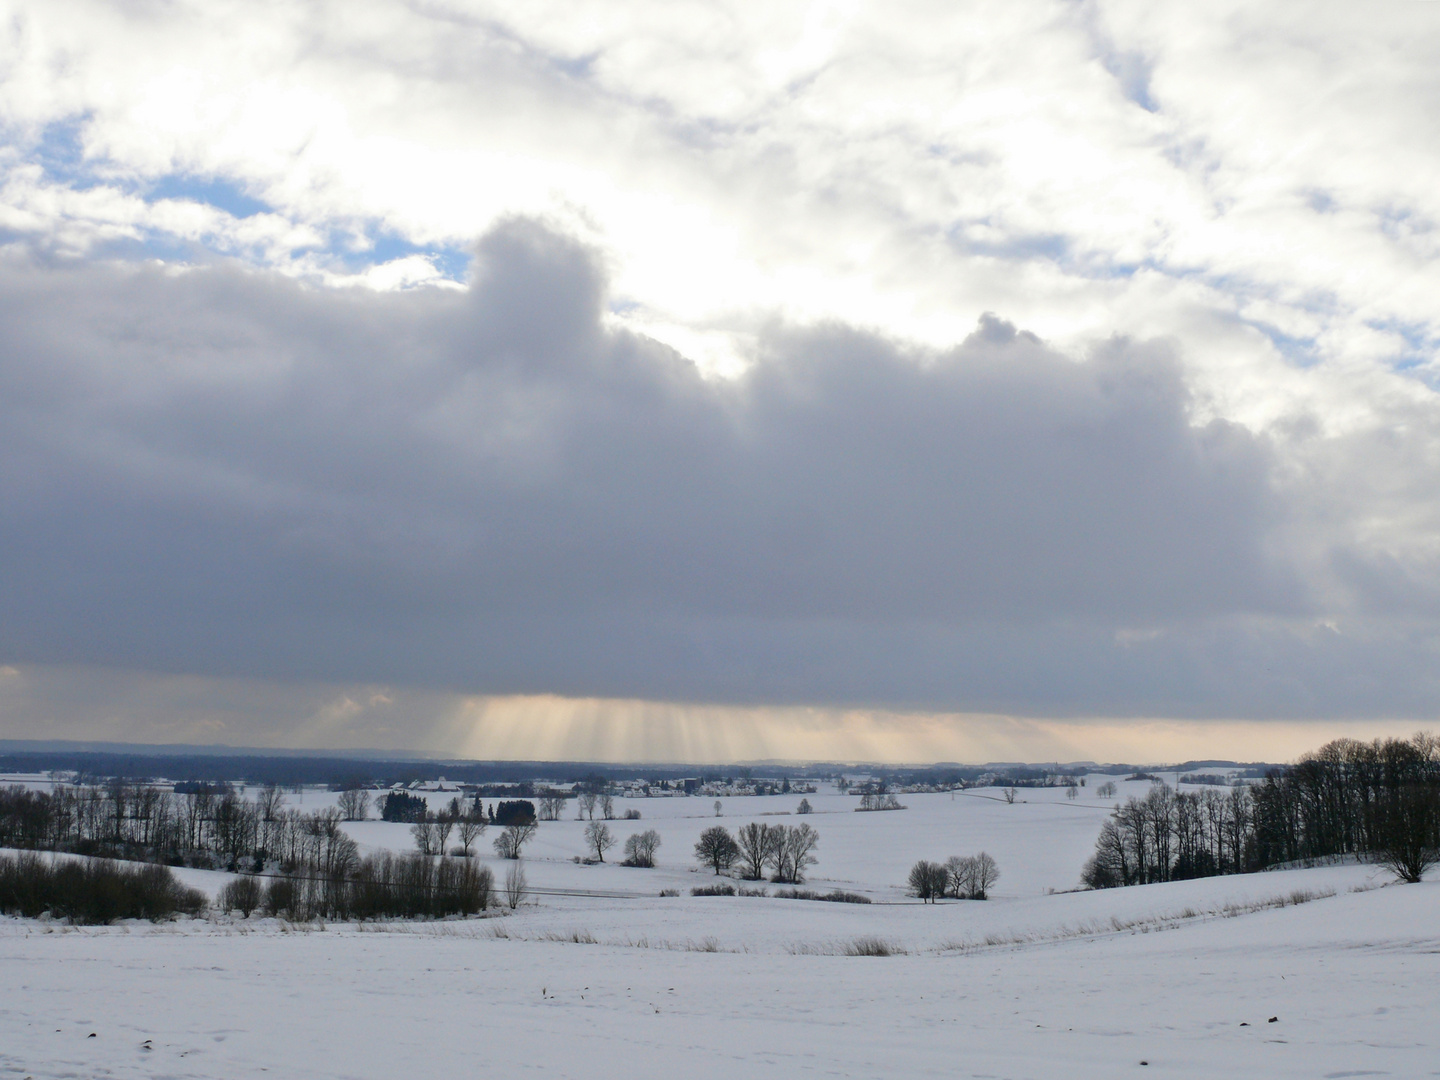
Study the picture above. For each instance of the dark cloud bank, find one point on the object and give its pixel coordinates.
(225, 472)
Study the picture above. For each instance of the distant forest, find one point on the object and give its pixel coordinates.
(144, 764)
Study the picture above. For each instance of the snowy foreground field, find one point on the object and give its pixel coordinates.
(1175, 980)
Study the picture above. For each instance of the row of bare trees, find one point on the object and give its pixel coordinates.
(786, 850)
(961, 877)
(1378, 800)
(209, 826)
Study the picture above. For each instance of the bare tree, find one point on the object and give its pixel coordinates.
(1105, 790)
(598, 838)
(512, 839)
(440, 827)
(469, 829)
(1010, 795)
(585, 806)
(270, 802)
(1409, 830)
(717, 807)
(987, 873)
(516, 887)
(354, 804)
(792, 852)
(960, 869)
(804, 807)
(640, 848)
(717, 848)
(551, 807)
(928, 881)
(424, 837)
(756, 843)
(607, 807)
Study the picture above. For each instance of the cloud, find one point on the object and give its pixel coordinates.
(1195, 477)
(223, 471)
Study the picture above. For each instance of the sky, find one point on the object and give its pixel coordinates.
(906, 382)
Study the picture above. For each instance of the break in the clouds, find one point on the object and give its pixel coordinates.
(1064, 360)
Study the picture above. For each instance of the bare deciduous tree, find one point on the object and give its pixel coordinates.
(987, 873)
(469, 829)
(516, 887)
(440, 827)
(804, 807)
(640, 848)
(717, 848)
(607, 807)
(354, 804)
(757, 842)
(1010, 794)
(585, 806)
(929, 881)
(792, 852)
(598, 838)
(717, 807)
(512, 839)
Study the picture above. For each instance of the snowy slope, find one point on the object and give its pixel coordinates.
(1353, 978)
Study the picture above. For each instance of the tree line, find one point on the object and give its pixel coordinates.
(314, 868)
(210, 826)
(1378, 800)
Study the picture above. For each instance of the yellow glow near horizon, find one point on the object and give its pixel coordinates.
(83, 703)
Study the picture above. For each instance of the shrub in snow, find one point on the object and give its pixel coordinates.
(93, 890)
(713, 890)
(244, 894)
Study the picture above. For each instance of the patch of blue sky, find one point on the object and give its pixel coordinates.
(1132, 71)
(1053, 247)
(1299, 350)
(452, 262)
(1422, 342)
(61, 153)
(218, 192)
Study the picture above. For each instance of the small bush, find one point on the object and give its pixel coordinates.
(836, 896)
(244, 894)
(93, 891)
(632, 815)
(751, 892)
(713, 890)
(872, 946)
(669, 892)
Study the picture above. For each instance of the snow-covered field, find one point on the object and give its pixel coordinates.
(1184, 977)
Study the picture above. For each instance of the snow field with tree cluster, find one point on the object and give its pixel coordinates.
(1182, 976)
